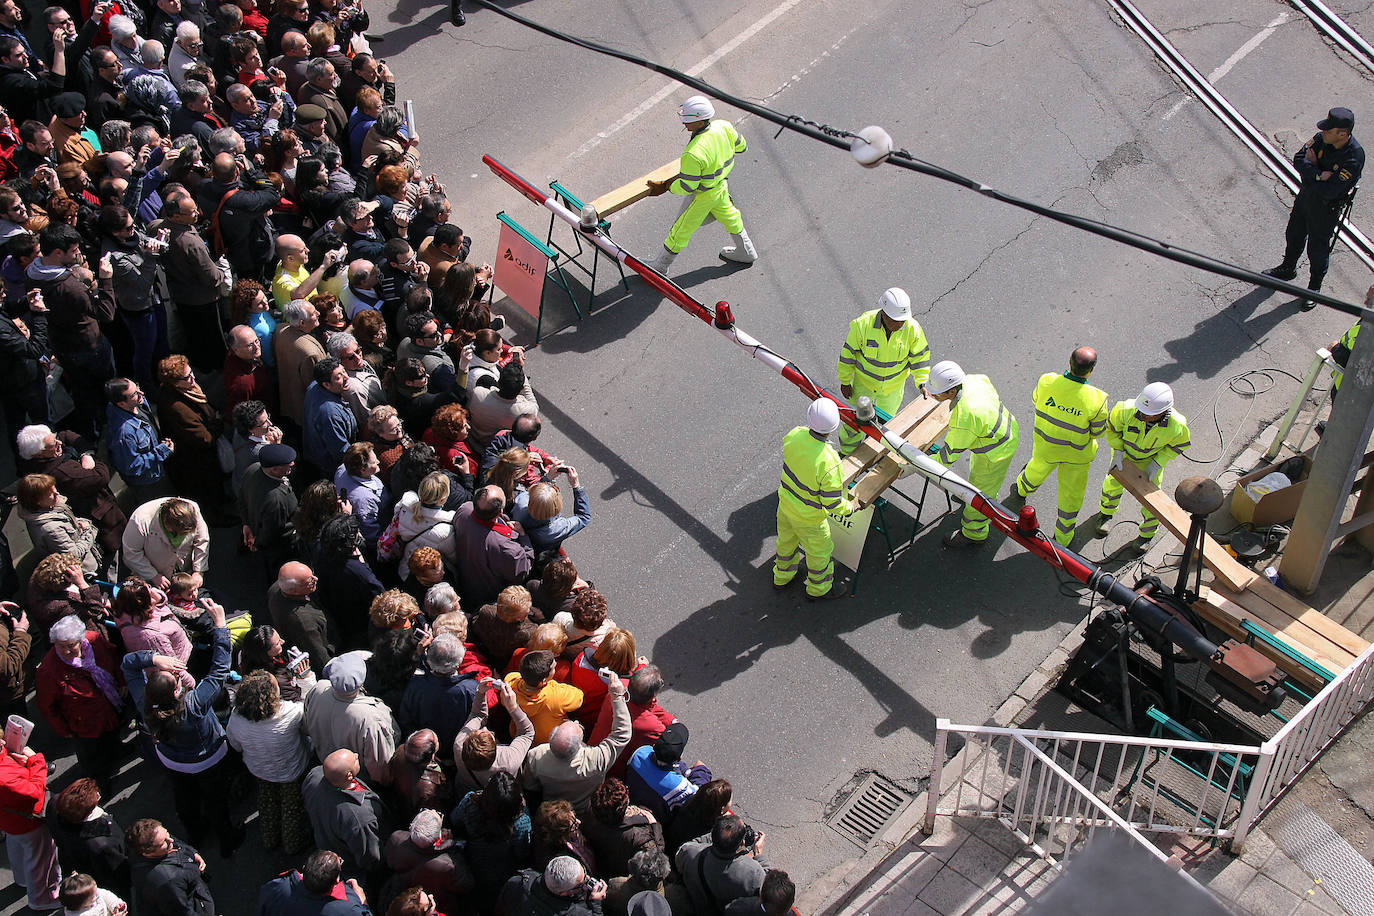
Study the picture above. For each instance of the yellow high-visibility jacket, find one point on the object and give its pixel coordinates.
(812, 485)
(879, 362)
(1070, 416)
(978, 422)
(1162, 442)
(708, 158)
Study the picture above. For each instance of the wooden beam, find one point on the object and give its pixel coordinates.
(1319, 646)
(1294, 609)
(636, 190)
(1227, 616)
(885, 473)
(868, 453)
(1231, 573)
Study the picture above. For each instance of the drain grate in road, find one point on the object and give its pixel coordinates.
(872, 804)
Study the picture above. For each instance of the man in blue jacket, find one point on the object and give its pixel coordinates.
(315, 890)
(330, 424)
(135, 450)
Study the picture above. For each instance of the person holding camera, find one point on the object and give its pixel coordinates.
(564, 889)
(723, 867)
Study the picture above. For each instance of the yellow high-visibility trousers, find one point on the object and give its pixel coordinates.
(987, 472)
(715, 202)
(803, 536)
(1073, 484)
(1111, 501)
(888, 403)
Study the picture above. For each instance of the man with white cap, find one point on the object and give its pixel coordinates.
(811, 491)
(883, 347)
(340, 714)
(980, 424)
(706, 164)
(1149, 433)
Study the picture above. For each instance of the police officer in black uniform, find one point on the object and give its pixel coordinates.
(1330, 165)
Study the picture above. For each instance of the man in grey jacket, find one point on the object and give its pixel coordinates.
(724, 866)
(194, 279)
(348, 817)
(564, 768)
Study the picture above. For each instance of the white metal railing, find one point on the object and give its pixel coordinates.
(1287, 755)
(1002, 775)
(1055, 789)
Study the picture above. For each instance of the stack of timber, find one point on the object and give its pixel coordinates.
(869, 470)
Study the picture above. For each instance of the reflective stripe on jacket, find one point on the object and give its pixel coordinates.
(978, 421)
(708, 158)
(1162, 442)
(1070, 416)
(812, 484)
(880, 361)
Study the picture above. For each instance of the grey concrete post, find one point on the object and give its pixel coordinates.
(1334, 467)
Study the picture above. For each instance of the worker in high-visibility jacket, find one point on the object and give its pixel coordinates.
(706, 164)
(811, 491)
(980, 424)
(1340, 354)
(1149, 433)
(883, 347)
(1070, 416)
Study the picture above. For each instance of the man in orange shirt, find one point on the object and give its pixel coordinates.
(544, 700)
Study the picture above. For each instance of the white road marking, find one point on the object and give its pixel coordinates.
(1234, 59)
(695, 70)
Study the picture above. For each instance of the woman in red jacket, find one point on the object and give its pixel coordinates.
(80, 693)
(31, 851)
(616, 652)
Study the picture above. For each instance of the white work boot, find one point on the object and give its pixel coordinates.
(742, 252)
(663, 261)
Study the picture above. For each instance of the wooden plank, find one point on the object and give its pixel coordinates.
(878, 479)
(1295, 609)
(1231, 573)
(634, 191)
(1320, 646)
(1227, 616)
(868, 453)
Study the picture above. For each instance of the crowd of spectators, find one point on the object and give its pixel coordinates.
(232, 295)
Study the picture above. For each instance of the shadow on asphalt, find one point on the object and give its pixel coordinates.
(1213, 344)
(925, 587)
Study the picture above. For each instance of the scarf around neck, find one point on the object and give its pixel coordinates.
(102, 678)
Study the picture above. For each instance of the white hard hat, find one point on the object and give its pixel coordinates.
(697, 108)
(823, 416)
(944, 375)
(896, 304)
(1155, 398)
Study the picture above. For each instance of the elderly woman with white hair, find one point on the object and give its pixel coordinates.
(81, 694)
(423, 857)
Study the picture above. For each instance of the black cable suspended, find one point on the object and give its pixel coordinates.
(841, 139)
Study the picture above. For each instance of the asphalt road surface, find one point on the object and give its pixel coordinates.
(676, 434)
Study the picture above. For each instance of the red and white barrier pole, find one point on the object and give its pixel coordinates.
(1021, 528)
